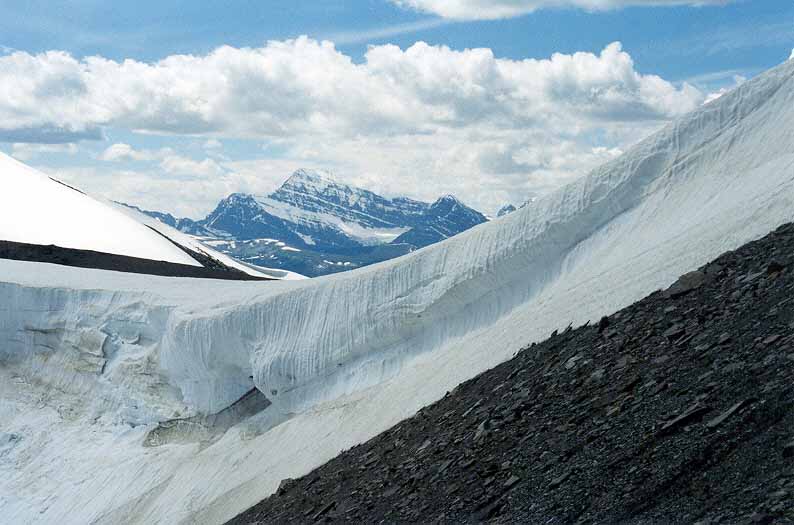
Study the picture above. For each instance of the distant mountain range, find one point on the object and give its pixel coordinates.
(315, 225)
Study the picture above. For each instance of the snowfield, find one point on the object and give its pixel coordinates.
(92, 361)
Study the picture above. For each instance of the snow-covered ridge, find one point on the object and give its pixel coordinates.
(39, 210)
(351, 354)
(36, 209)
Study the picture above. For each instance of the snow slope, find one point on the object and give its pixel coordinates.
(349, 355)
(36, 209)
(708, 181)
(319, 220)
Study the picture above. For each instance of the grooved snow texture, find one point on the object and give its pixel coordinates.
(624, 421)
(348, 356)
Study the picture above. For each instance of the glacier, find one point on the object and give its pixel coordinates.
(94, 361)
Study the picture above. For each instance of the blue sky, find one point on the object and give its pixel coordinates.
(707, 47)
(674, 42)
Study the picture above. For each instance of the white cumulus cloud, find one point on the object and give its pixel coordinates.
(183, 166)
(738, 80)
(302, 86)
(423, 120)
(495, 9)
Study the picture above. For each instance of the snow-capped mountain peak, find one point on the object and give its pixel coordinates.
(318, 192)
(311, 175)
(316, 217)
(448, 199)
(310, 180)
(313, 201)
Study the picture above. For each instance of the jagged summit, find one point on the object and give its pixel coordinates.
(448, 198)
(304, 177)
(449, 201)
(445, 217)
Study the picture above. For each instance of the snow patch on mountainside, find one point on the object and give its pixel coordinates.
(314, 219)
(345, 357)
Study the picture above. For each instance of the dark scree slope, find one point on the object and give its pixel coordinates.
(677, 409)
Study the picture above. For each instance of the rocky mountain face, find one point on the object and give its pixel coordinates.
(240, 216)
(317, 192)
(314, 225)
(677, 409)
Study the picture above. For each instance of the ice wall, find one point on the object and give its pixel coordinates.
(134, 347)
(711, 180)
(714, 178)
(395, 336)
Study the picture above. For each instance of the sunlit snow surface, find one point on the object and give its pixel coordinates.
(36, 209)
(352, 354)
(363, 234)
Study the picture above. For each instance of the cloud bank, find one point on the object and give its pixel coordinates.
(303, 86)
(423, 120)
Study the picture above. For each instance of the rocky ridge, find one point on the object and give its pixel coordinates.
(677, 409)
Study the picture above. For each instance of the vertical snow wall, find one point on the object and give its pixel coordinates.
(706, 183)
